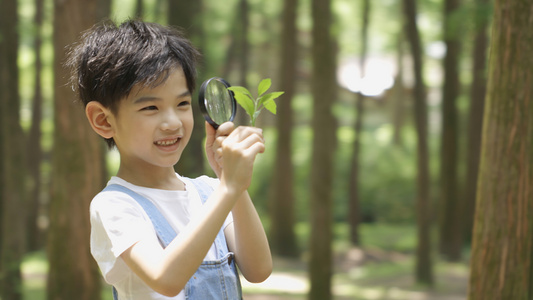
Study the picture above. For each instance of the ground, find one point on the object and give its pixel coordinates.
(363, 275)
(358, 275)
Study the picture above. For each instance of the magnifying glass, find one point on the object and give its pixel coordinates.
(217, 103)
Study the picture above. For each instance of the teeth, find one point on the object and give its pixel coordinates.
(166, 142)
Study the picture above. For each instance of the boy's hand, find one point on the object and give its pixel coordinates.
(232, 152)
(238, 152)
(215, 161)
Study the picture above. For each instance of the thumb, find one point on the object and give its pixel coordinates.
(209, 130)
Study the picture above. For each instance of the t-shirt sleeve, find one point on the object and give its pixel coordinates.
(117, 223)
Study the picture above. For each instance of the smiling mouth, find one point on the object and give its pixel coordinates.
(167, 142)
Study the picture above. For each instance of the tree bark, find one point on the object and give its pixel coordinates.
(139, 9)
(324, 91)
(354, 213)
(501, 264)
(186, 15)
(243, 39)
(423, 270)
(451, 210)
(13, 158)
(282, 236)
(73, 273)
(398, 94)
(243, 25)
(34, 150)
(103, 10)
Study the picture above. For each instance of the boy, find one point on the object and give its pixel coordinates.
(136, 82)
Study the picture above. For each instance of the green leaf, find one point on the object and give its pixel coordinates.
(246, 102)
(254, 106)
(264, 85)
(270, 105)
(270, 96)
(242, 90)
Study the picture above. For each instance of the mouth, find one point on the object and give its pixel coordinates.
(167, 142)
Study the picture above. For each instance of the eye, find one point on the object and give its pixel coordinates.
(151, 107)
(184, 103)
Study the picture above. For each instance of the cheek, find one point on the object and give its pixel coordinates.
(188, 125)
(189, 121)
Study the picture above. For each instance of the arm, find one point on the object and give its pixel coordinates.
(247, 239)
(167, 270)
(245, 236)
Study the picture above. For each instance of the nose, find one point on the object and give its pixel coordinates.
(171, 121)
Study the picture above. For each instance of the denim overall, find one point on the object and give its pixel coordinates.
(216, 279)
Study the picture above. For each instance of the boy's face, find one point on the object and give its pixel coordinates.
(153, 125)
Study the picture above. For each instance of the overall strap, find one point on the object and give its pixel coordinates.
(164, 231)
(204, 189)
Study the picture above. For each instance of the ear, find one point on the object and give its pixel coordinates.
(99, 118)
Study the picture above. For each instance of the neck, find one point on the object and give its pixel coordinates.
(157, 178)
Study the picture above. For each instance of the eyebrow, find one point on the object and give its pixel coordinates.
(151, 98)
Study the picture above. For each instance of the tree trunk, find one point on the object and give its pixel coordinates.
(34, 235)
(186, 15)
(103, 9)
(13, 158)
(354, 213)
(244, 52)
(475, 118)
(73, 273)
(501, 264)
(423, 270)
(398, 93)
(451, 210)
(244, 47)
(282, 235)
(324, 91)
(139, 9)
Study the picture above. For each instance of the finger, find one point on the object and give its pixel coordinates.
(241, 133)
(251, 140)
(250, 130)
(209, 130)
(218, 156)
(254, 149)
(209, 135)
(219, 141)
(225, 129)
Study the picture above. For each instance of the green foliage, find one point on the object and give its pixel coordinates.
(387, 173)
(253, 107)
(398, 238)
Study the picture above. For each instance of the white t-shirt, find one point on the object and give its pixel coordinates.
(118, 222)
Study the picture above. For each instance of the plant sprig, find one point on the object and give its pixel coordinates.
(254, 106)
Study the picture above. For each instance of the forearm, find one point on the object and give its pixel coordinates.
(249, 242)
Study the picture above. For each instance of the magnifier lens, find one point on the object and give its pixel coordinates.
(217, 102)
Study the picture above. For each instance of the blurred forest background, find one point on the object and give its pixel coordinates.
(368, 185)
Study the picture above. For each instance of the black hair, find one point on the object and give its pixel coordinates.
(110, 60)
